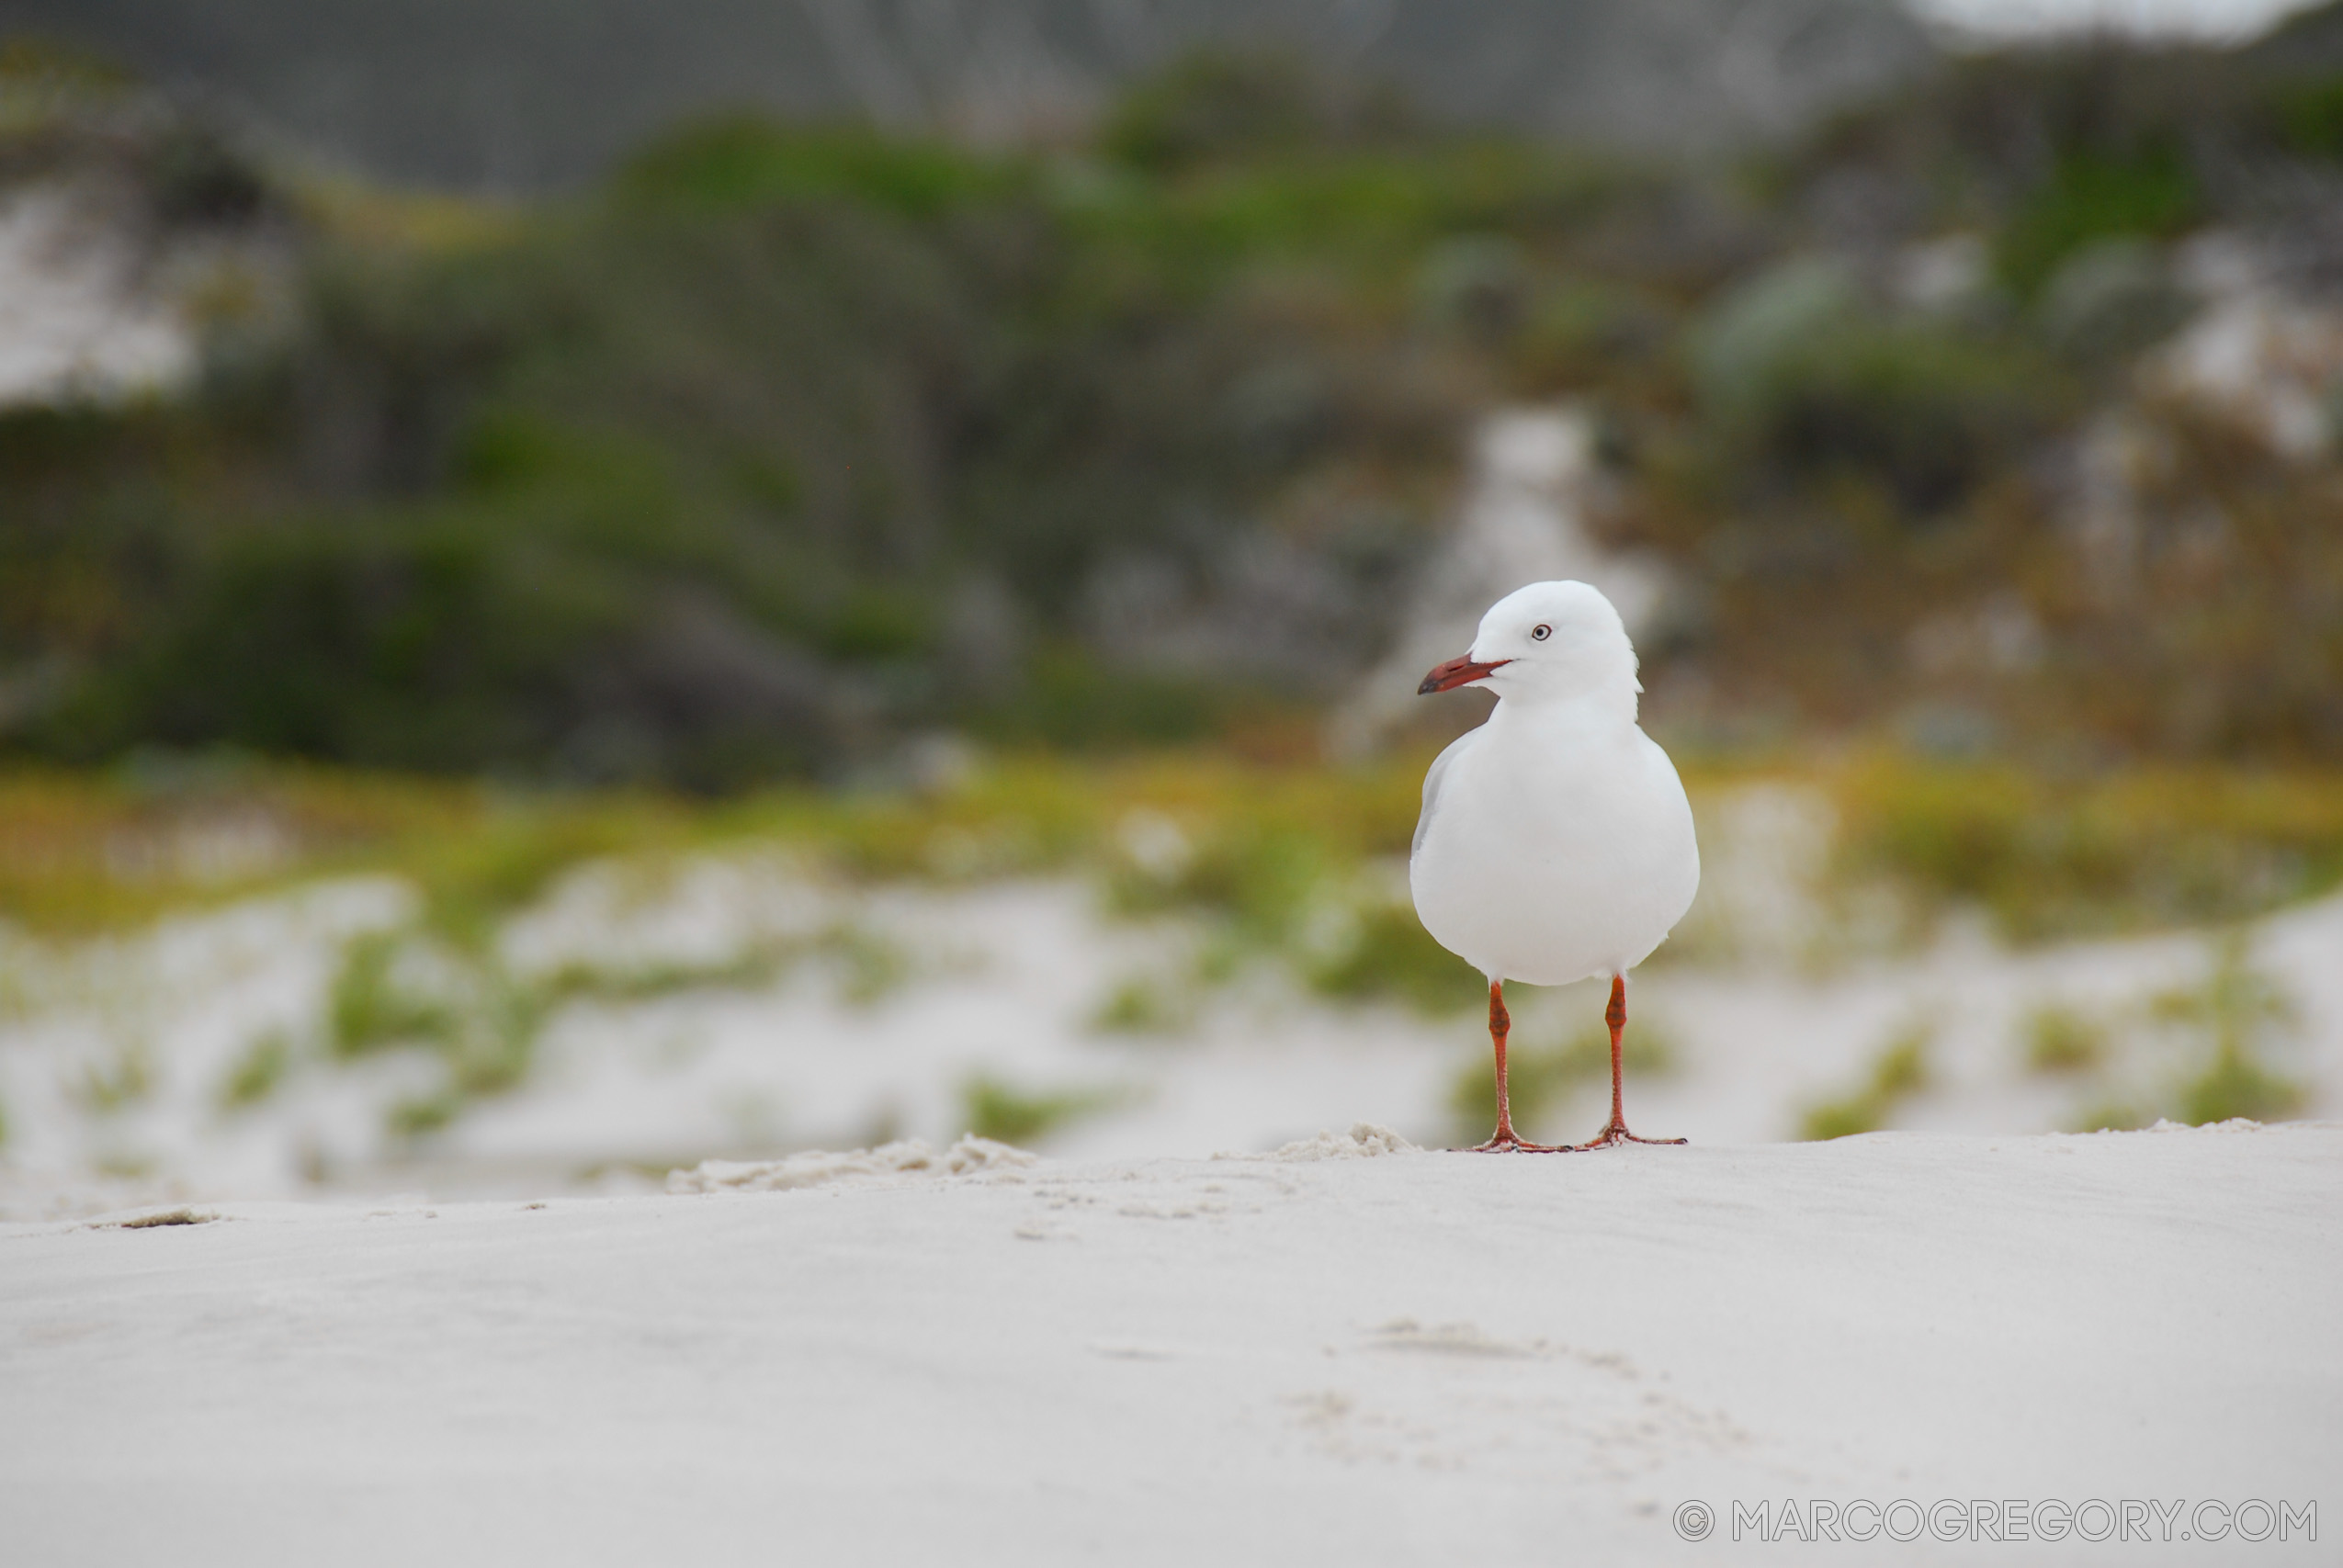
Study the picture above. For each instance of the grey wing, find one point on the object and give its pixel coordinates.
(1432, 782)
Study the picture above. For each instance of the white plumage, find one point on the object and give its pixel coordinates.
(1556, 842)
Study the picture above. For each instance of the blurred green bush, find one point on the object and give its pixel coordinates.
(1807, 381)
(788, 443)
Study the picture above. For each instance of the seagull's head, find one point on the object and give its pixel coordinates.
(1549, 640)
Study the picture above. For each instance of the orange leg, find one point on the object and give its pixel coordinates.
(1501, 1024)
(1616, 1132)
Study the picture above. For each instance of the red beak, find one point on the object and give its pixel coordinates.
(1456, 672)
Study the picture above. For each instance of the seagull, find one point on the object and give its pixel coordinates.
(1555, 843)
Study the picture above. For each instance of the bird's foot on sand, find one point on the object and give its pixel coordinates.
(1614, 1135)
(1507, 1142)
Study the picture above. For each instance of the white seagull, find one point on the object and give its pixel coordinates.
(1555, 842)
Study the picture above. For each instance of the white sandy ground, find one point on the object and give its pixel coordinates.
(1421, 1358)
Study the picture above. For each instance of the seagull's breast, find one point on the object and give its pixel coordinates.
(1554, 847)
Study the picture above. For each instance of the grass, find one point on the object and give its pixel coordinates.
(870, 967)
(2235, 1085)
(2062, 1040)
(83, 852)
(1386, 953)
(1287, 864)
(257, 1072)
(2235, 1016)
(372, 1008)
(748, 970)
(413, 989)
(2123, 850)
(1261, 847)
(2114, 1116)
(113, 1085)
(1143, 1005)
(1006, 1115)
(2225, 1027)
(88, 852)
(1897, 1072)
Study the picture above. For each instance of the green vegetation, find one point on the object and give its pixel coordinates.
(2211, 1064)
(2061, 1039)
(1809, 385)
(410, 988)
(2124, 849)
(753, 967)
(1386, 953)
(257, 1072)
(2233, 1016)
(1006, 1115)
(369, 1010)
(870, 967)
(84, 852)
(1898, 1072)
(2311, 115)
(785, 443)
(2091, 196)
(123, 1081)
(1141, 1006)
(1287, 868)
(675, 516)
(2115, 1116)
(1284, 866)
(1285, 858)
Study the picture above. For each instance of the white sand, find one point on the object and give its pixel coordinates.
(1414, 1358)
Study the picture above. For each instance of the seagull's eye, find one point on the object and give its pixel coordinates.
(1540, 633)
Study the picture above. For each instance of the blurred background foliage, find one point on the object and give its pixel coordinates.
(785, 442)
(782, 448)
